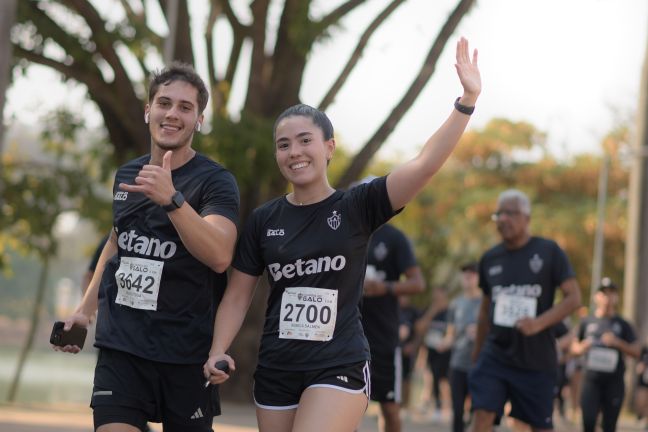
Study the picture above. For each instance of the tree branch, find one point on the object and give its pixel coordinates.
(361, 160)
(357, 53)
(337, 14)
(88, 79)
(102, 38)
(217, 100)
(182, 47)
(130, 13)
(231, 16)
(259, 62)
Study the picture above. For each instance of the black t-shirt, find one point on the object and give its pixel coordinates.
(527, 279)
(600, 359)
(156, 300)
(391, 254)
(436, 332)
(315, 257)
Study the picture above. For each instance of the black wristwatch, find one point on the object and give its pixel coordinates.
(177, 199)
(464, 109)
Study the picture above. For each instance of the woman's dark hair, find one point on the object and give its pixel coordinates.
(318, 117)
(177, 71)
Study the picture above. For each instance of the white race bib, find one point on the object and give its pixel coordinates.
(601, 359)
(433, 338)
(308, 313)
(138, 282)
(511, 308)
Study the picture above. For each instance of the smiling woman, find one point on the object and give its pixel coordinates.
(313, 339)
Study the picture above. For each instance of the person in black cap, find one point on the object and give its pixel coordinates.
(604, 338)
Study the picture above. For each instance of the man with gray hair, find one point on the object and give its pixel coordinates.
(515, 349)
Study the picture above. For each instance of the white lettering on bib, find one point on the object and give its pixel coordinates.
(601, 359)
(308, 313)
(511, 308)
(138, 282)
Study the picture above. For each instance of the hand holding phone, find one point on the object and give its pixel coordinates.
(221, 365)
(75, 336)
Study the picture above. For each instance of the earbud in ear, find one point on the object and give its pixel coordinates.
(146, 118)
(197, 127)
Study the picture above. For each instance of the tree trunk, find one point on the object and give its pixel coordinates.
(35, 318)
(7, 16)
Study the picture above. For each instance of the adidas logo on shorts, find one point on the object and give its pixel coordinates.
(198, 414)
(342, 378)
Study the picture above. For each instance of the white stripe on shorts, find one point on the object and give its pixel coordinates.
(398, 378)
(366, 370)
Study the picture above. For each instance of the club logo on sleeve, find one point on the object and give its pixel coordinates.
(535, 263)
(335, 220)
(120, 196)
(495, 270)
(616, 329)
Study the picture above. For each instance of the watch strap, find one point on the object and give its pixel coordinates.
(177, 199)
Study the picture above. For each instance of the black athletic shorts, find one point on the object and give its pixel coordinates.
(132, 390)
(386, 376)
(281, 390)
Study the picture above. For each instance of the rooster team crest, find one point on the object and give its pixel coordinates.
(335, 220)
(536, 263)
(380, 251)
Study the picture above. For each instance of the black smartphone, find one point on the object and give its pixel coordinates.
(75, 336)
(222, 365)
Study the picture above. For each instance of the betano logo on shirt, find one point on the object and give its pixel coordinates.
(306, 267)
(148, 246)
(525, 290)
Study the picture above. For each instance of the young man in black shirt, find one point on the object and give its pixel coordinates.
(515, 347)
(390, 255)
(161, 275)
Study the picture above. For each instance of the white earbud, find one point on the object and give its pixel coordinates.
(197, 127)
(146, 118)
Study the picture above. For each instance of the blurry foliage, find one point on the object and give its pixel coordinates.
(67, 176)
(450, 223)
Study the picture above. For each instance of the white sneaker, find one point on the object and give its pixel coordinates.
(437, 416)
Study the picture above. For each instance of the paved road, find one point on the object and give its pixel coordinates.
(75, 418)
(236, 418)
